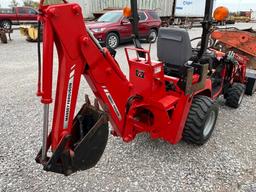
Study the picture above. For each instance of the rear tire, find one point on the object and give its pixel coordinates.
(234, 95)
(152, 33)
(112, 40)
(201, 120)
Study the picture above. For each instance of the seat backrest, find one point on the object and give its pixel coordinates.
(174, 46)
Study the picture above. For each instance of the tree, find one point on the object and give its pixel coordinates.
(30, 3)
(49, 2)
(27, 3)
(13, 3)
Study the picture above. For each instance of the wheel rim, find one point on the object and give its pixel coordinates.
(153, 35)
(6, 25)
(209, 124)
(112, 41)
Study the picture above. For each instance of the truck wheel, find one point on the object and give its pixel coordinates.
(201, 120)
(235, 95)
(3, 37)
(210, 43)
(152, 36)
(6, 24)
(112, 40)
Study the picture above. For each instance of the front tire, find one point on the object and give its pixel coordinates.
(112, 40)
(6, 24)
(201, 120)
(235, 95)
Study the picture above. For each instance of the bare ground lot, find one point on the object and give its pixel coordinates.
(226, 163)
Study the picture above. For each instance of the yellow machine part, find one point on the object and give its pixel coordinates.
(33, 33)
(29, 31)
(23, 31)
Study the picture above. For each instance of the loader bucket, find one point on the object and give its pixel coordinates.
(84, 147)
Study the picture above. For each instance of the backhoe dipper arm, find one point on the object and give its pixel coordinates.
(78, 54)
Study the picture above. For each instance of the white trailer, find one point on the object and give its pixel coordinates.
(163, 7)
(189, 8)
(166, 9)
(253, 16)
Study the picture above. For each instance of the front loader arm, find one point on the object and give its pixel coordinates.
(239, 41)
(79, 54)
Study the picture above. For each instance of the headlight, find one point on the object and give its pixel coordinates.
(97, 30)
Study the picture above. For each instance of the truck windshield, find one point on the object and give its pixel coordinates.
(110, 17)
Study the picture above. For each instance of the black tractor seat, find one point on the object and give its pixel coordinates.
(174, 50)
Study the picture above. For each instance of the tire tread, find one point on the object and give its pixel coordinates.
(233, 95)
(193, 128)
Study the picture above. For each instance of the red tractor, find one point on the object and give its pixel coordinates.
(173, 106)
(243, 43)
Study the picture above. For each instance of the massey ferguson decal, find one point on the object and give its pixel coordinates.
(140, 73)
(69, 96)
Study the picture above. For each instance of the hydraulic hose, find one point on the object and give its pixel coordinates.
(39, 92)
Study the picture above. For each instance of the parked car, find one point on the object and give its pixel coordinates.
(112, 28)
(16, 16)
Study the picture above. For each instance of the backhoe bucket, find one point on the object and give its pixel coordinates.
(84, 147)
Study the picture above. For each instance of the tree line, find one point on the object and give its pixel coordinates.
(29, 3)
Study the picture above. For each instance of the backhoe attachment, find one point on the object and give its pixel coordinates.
(86, 143)
(76, 142)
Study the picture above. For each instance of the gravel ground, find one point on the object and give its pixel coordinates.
(225, 163)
